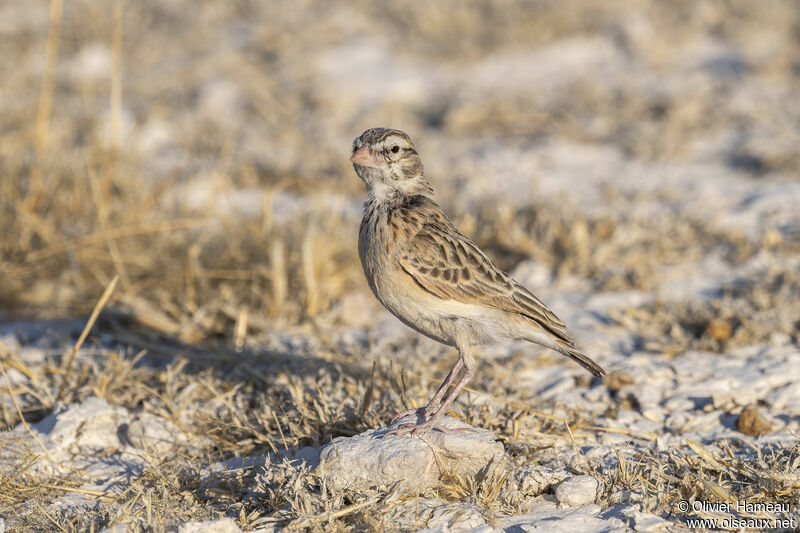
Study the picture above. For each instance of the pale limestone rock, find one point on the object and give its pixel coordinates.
(373, 460)
(577, 490)
(85, 428)
(220, 525)
(154, 434)
(547, 518)
(118, 528)
(535, 479)
(458, 516)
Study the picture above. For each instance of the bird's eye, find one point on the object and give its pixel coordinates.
(395, 149)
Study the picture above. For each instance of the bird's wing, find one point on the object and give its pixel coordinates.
(447, 264)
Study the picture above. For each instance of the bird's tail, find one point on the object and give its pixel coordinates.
(582, 359)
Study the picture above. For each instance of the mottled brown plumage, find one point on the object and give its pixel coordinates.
(434, 278)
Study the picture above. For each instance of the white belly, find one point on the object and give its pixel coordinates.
(441, 320)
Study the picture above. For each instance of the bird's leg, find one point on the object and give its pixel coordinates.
(468, 361)
(437, 398)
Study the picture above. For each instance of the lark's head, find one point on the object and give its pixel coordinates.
(388, 164)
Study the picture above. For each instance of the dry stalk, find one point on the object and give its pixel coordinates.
(92, 318)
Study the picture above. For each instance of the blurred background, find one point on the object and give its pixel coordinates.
(199, 150)
(634, 163)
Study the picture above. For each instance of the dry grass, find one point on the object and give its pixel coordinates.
(231, 408)
(731, 472)
(747, 313)
(229, 219)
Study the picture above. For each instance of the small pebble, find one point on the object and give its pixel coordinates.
(750, 422)
(577, 490)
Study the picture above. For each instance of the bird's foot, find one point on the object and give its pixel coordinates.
(410, 429)
(420, 413)
(422, 427)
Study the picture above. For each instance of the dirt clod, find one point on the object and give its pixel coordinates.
(751, 422)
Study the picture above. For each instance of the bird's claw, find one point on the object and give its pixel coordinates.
(424, 427)
(410, 429)
(420, 412)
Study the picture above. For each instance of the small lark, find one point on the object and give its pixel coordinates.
(434, 278)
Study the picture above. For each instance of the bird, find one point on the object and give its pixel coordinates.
(434, 278)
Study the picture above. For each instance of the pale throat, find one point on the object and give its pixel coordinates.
(383, 193)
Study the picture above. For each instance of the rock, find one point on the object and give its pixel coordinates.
(533, 481)
(118, 528)
(653, 414)
(372, 460)
(457, 516)
(577, 490)
(624, 497)
(750, 422)
(437, 529)
(615, 380)
(154, 434)
(86, 428)
(636, 519)
(220, 525)
(547, 518)
(648, 522)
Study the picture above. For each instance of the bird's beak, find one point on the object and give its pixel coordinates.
(364, 158)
